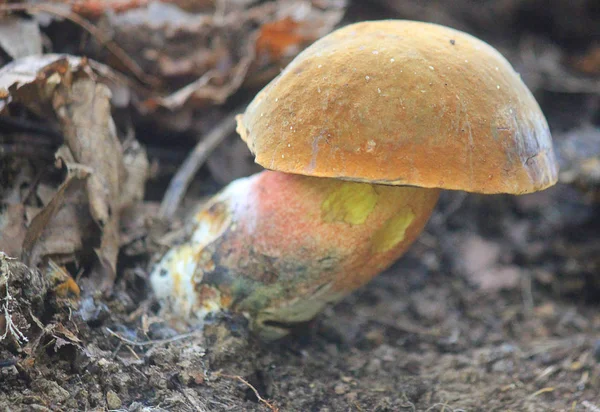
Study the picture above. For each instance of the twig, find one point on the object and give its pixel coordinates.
(153, 342)
(408, 403)
(268, 404)
(110, 45)
(185, 174)
(135, 355)
(116, 351)
(541, 391)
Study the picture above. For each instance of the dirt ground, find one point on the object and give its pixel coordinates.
(494, 308)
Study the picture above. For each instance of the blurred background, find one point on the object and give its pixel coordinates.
(495, 307)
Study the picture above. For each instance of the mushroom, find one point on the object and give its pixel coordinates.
(359, 133)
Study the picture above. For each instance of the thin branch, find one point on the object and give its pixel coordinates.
(153, 342)
(268, 404)
(181, 181)
(541, 391)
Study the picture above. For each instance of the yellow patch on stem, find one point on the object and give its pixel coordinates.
(392, 232)
(349, 202)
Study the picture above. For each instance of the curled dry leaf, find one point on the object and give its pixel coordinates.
(60, 229)
(84, 114)
(294, 26)
(80, 222)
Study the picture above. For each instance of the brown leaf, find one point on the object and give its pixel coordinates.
(64, 336)
(58, 229)
(80, 222)
(278, 37)
(66, 333)
(12, 229)
(32, 80)
(84, 114)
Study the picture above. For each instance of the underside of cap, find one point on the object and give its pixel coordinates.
(403, 103)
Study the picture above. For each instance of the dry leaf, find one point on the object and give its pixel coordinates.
(62, 337)
(59, 230)
(84, 114)
(80, 222)
(66, 333)
(12, 228)
(33, 79)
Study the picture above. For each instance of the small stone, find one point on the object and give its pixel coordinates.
(376, 336)
(51, 389)
(340, 388)
(113, 401)
(373, 366)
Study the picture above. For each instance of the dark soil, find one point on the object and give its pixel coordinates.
(419, 337)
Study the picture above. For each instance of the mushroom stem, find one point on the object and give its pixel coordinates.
(278, 247)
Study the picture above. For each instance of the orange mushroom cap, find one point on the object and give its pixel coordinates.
(403, 103)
